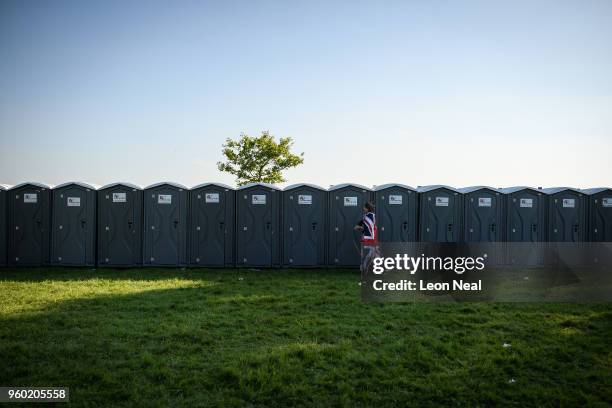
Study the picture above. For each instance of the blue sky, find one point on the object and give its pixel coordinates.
(433, 92)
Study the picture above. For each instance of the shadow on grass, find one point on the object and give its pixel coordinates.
(289, 339)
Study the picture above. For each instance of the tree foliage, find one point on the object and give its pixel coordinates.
(259, 159)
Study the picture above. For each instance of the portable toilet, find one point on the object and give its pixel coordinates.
(211, 225)
(120, 225)
(396, 213)
(29, 221)
(440, 213)
(345, 211)
(483, 214)
(567, 215)
(258, 225)
(304, 225)
(73, 225)
(599, 202)
(3, 232)
(165, 225)
(526, 211)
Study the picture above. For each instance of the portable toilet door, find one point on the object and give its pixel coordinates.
(304, 225)
(29, 221)
(165, 225)
(345, 211)
(440, 214)
(567, 218)
(483, 214)
(120, 225)
(525, 209)
(3, 228)
(396, 213)
(211, 225)
(600, 214)
(257, 225)
(73, 226)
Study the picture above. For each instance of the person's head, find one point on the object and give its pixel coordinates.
(368, 207)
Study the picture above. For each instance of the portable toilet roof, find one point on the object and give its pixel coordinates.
(596, 190)
(292, 186)
(170, 183)
(342, 185)
(471, 189)
(388, 185)
(510, 190)
(31, 183)
(121, 183)
(425, 189)
(266, 185)
(555, 190)
(4, 187)
(212, 184)
(78, 183)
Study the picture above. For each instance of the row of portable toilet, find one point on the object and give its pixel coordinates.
(258, 225)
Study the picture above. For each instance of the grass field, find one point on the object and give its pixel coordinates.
(154, 337)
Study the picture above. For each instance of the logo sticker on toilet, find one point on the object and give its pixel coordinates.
(30, 198)
(305, 199)
(526, 202)
(607, 202)
(164, 199)
(258, 199)
(119, 198)
(212, 197)
(441, 201)
(484, 201)
(569, 203)
(74, 201)
(350, 201)
(395, 199)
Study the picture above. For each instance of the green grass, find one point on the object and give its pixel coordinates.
(154, 337)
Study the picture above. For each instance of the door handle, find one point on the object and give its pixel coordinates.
(405, 225)
(221, 225)
(314, 226)
(130, 223)
(175, 224)
(83, 224)
(268, 225)
(493, 226)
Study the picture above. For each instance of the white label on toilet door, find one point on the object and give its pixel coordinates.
(74, 201)
(164, 199)
(607, 202)
(395, 199)
(350, 201)
(305, 199)
(30, 198)
(258, 199)
(119, 198)
(526, 202)
(569, 203)
(441, 201)
(484, 201)
(212, 197)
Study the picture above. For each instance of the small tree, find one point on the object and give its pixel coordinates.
(259, 159)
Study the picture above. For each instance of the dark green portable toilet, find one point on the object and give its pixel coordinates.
(440, 214)
(29, 222)
(258, 225)
(120, 225)
(396, 213)
(3, 227)
(304, 213)
(73, 225)
(599, 202)
(567, 215)
(483, 214)
(345, 211)
(212, 215)
(526, 210)
(165, 225)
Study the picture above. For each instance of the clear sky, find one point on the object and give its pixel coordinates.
(434, 92)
